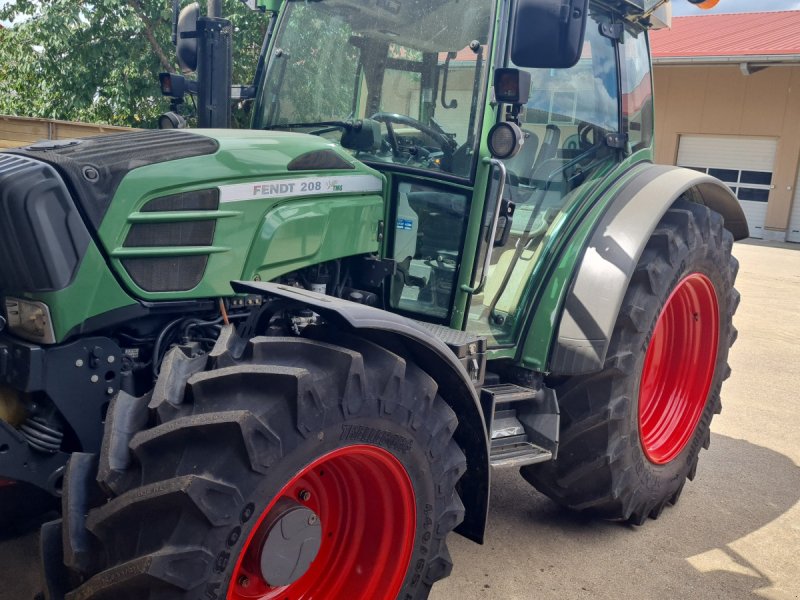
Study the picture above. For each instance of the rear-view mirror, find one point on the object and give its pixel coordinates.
(548, 34)
(186, 42)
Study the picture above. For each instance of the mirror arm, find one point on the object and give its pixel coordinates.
(501, 189)
(176, 9)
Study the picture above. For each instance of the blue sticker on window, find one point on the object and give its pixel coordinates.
(405, 224)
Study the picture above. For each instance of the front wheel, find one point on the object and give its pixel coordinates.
(304, 470)
(631, 433)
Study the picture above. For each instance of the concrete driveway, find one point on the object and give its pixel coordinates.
(735, 533)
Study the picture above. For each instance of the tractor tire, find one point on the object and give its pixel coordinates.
(631, 433)
(302, 469)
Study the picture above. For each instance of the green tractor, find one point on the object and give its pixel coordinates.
(282, 363)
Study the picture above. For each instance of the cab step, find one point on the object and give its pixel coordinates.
(523, 424)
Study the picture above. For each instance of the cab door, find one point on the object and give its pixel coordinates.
(571, 125)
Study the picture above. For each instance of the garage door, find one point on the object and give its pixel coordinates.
(794, 221)
(745, 164)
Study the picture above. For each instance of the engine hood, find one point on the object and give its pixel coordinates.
(95, 167)
(97, 224)
(263, 204)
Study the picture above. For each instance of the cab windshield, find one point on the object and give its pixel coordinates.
(394, 82)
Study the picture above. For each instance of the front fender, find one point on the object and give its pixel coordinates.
(607, 264)
(436, 359)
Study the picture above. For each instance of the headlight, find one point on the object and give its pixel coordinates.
(30, 320)
(505, 140)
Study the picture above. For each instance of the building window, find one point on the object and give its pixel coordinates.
(749, 186)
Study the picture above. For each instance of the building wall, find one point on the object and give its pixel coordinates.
(721, 100)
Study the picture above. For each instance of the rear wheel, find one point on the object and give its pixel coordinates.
(631, 433)
(303, 470)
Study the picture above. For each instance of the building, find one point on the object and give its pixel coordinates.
(727, 91)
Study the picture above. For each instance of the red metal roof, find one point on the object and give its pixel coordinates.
(742, 34)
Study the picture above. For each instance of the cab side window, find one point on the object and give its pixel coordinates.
(637, 89)
(570, 110)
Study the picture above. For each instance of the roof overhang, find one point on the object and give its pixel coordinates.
(762, 60)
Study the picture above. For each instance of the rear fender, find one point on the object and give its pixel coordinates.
(436, 359)
(607, 264)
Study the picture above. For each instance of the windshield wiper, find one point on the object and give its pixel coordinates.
(348, 125)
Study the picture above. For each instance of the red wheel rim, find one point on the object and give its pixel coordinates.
(366, 507)
(678, 369)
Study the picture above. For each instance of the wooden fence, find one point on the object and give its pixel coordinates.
(21, 131)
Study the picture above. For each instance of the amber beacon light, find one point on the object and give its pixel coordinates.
(705, 4)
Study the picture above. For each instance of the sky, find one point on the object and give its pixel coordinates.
(681, 8)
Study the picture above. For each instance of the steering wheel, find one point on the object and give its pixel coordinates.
(445, 143)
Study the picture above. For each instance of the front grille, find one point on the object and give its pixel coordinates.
(42, 236)
(166, 273)
(152, 235)
(169, 272)
(198, 200)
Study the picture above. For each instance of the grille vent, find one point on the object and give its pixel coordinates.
(172, 273)
(199, 200)
(166, 273)
(156, 235)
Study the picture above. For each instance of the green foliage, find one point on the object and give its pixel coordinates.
(99, 62)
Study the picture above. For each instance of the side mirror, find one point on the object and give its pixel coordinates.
(186, 38)
(548, 34)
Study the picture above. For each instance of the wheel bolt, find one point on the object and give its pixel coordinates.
(304, 495)
(243, 581)
(312, 519)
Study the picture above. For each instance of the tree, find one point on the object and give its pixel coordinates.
(99, 61)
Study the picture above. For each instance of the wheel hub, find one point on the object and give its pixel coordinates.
(343, 528)
(292, 541)
(678, 368)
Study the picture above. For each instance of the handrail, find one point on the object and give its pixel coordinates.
(501, 189)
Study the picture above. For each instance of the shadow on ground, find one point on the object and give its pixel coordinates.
(534, 549)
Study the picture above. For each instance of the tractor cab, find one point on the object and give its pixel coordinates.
(477, 179)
